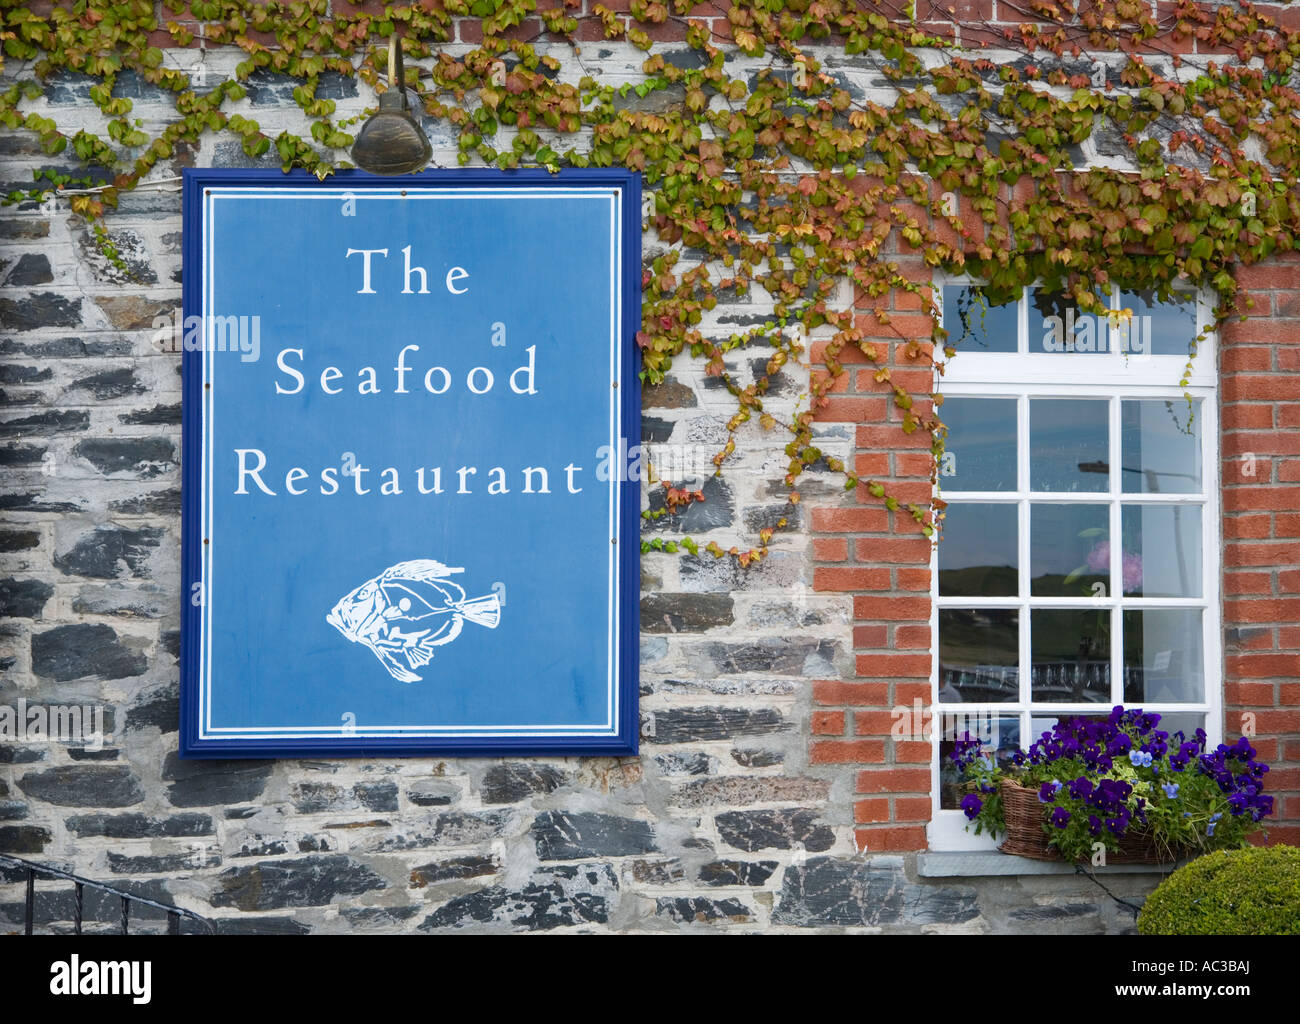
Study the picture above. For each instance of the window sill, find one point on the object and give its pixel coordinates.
(988, 863)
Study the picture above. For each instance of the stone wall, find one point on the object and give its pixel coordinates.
(726, 820)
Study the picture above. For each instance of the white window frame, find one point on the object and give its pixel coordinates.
(1115, 376)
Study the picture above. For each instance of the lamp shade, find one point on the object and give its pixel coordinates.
(392, 141)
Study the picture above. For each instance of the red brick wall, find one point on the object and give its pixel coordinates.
(883, 559)
(1260, 402)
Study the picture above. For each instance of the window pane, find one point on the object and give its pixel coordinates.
(1163, 657)
(1069, 550)
(978, 554)
(1070, 655)
(1159, 328)
(979, 651)
(980, 452)
(1162, 550)
(1188, 721)
(975, 326)
(999, 734)
(1069, 447)
(1161, 443)
(1057, 325)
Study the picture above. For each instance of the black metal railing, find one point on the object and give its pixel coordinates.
(174, 914)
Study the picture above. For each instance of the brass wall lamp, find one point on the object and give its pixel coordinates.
(392, 141)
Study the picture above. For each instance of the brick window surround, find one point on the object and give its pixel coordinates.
(883, 561)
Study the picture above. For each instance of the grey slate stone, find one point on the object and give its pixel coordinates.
(716, 511)
(197, 783)
(555, 897)
(143, 457)
(517, 780)
(561, 836)
(18, 540)
(472, 866)
(129, 602)
(738, 872)
(16, 373)
(158, 864)
(109, 384)
(72, 652)
(32, 503)
(685, 613)
(702, 910)
(738, 791)
(109, 552)
(140, 826)
(783, 829)
(46, 309)
(154, 503)
(259, 926)
(160, 709)
(158, 416)
(454, 828)
(869, 892)
(23, 599)
(377, 796)
(683, 725)
(13, 810)
(83, 786)
(22, 454)
(31, 268)
(20, 839)
(53, 422)
(772, 654)
(305, 882)
(757, 758)
(696, 763)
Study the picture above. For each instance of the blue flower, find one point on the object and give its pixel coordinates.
(1140, 758)
(1213, 823)
(972, 805)
(1047, 792)
(1060, 817)
(1170, 788)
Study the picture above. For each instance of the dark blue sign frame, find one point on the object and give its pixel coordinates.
(214, 669)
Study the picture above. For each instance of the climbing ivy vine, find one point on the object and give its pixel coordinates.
(766, 171)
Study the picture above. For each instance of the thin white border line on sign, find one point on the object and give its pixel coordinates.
(207, 492)
(616, 431)
(205, 646)
(558, 729)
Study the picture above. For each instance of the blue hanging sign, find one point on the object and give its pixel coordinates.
(408, 526)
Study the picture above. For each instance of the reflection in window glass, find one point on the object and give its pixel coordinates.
(1163, 659)
(1070, 655)
(1000, 735)
(1158, 328)
(1187, 721)
(979, 651)
(1161, 443)
(1162, 550)
(1069, 447)
(973, 325)
(980, 453)
(978, 555)
(1069, 550)
(1056, 324)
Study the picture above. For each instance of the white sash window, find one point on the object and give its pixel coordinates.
(1079, 561)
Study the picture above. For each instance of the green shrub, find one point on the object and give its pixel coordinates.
(1252, 891)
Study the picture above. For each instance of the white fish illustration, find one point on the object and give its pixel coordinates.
(408, 610)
